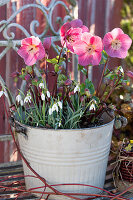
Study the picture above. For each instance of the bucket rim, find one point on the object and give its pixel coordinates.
(64, 130)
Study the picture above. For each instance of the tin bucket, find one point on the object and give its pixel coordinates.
(67, 156)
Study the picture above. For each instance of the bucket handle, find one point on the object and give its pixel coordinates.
(18, 127)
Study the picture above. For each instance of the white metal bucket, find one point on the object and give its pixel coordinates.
(67, 156)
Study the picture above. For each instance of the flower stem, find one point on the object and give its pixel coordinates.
(46, 69)
(43, 111)
(87, 71)
(97, 92)
(67, 65)
(111, 91)
(60, 53)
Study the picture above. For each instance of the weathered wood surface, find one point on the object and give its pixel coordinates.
(7, 170)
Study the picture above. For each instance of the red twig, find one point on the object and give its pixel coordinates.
(47, 197)
(77, 194)
(119, 195)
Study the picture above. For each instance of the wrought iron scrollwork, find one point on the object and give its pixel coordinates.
(6, 25)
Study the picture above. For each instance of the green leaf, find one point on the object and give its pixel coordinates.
(56, 68)
(82, 88)
(53, 60)
(61, 79)
(104, 57)
(34, 82)
(23, 70)
(72, 2)
(96, 99)
(29, 69)
(89, 85)
(106, 71)
(104, 54)
(82, 69)
(22, 76)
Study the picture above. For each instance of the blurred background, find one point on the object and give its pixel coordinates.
(101, 16)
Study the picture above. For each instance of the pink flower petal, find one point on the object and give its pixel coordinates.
(65, 28)
(30, 60)
(70, 47)
(97, 42)
(80, 48)
(73, 35)
(107, 40)
(116, 53)
(121, 54)
(117, 43)
(76, 23)
(26, 41)
(116, 32)
(86, 37)
(31, 50)
(35, 40)
(63, 41)
(125, 41)
(84, 29)
(41, 52)
(85, 59)
(96, 58)
(23, 51)
(74, 32)
(47, 43)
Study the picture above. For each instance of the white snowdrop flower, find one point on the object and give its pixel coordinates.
(55, 108)
(50, 111)
(59, 124)
(121, 97)
(92, 107)
(21, 102)
(41, 85)
(18, 98)
(95, 101)
(48, 94)
(43, 97)
(77, 89)
(121, 70)
(1, 93)
(28, 97)
(5, 94)
(59, 104)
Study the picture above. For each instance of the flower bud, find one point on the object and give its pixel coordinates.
(47, 43)
(68, 82)
(27, 77)
(87, 92)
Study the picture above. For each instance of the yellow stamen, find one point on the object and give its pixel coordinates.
(32, 48)
(116, 44)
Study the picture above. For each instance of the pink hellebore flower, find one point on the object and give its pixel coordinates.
(71, 32)
(89, 49)
(31, 50)
(47, 43)
(117, 43)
